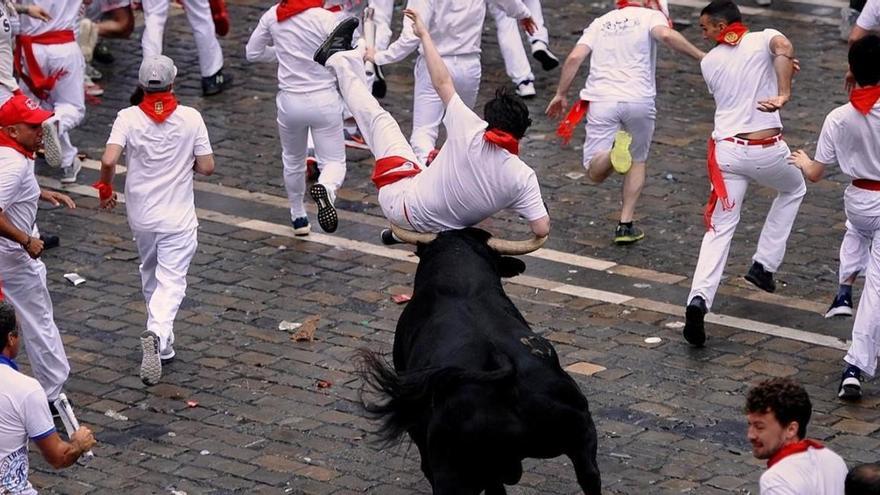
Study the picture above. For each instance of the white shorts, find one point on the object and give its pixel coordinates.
(605, 118)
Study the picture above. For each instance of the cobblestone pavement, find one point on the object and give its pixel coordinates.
(245, 409)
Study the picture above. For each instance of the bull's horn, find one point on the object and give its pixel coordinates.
(514, 248)
(410, 237)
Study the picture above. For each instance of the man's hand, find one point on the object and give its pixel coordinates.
(57, 199)
(33, 246)
(38, 13)
(419, 28)
(773, 104)
(800, 159)
(83, 439)
(528, 25)
(557, 106)
(109, 203)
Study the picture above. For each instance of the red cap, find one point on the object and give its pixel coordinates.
(22, 110)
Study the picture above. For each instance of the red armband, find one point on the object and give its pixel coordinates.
(105, 190)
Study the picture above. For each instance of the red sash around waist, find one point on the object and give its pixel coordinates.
(40, 84)
(391, 169)
(867, 184)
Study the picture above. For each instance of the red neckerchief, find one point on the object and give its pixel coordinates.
(159, 106)
(626, 3)
(864, 98)
(793, 448)
(502, 139)
(290, 8)
(719, 188)
(575, 114)
(8, 142)
(732, 34)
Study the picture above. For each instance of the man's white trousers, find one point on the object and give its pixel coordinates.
(865, 222)
(198, 13)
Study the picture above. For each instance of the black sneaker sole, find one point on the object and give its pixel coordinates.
(327, 218)
(752, 280)
(850, 392)
(694, 327)
(326, 49)
(547, 62)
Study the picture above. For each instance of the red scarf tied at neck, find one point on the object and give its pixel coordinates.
(732, 34)
(793, 448)
(8, 142)
(159, 106)
(290, 8)
(502, 139)
(865, 98)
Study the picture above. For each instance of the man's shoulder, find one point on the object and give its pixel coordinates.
(17, 383)
(12, 159)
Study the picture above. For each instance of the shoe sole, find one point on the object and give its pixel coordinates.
(547, 62)
(850, 392)
(51, 144)
(695, 326)
(752, 280)
(151, 364)
(621, 159)
(327, 218)
(844, 311)
(623, 241)
(321, 54)
(302, 231)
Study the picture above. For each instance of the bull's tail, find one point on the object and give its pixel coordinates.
(409, 394)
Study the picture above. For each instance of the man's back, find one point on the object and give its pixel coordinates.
(813, 472)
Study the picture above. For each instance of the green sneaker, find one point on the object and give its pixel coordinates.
(627, 234)
(621, 159)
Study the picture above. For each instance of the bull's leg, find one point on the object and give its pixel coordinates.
(496, 489)
(583, 458)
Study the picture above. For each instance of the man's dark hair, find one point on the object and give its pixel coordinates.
(864, 60)
(722, 10)
(7, 323)
(785, 398)
(863, 480)
(508, 113)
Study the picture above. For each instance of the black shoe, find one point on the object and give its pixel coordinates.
(339, 40)
(327, 218)
(542, 54)
(380, 87)
(841, 306)
(626, 234)
(761, 278)
(215, 84)
(103, 54)
(850, 387)
(389, 239)
(50, 241)
(694, 329)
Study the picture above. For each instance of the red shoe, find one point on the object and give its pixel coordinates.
(221, 17)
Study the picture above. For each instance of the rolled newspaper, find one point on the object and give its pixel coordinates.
(370, 38)
(62, 405)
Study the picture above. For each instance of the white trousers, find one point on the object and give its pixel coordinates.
(866, 327)
(382, 12)
(67, 98)
(516, 61)
(428, 108)
(739, 164)
(24, 284)
(198, 13)
(855, 251)
(165, 259)
(321, 113)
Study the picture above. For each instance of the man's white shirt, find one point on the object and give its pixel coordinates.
(869, 19)
(64, 16)
(813, 472)
(623, 56)
(19, 192)
(293, 43)
(471, 179)
(738, 77)
(160, 160)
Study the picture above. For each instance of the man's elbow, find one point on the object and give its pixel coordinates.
(541, 227)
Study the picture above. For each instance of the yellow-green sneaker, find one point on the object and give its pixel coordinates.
(621, 159)
(627, 234)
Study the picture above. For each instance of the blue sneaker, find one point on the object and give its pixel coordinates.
(301, 226)
(842, 306)
(850, 387)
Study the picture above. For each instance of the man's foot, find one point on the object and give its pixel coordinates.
(841, 306)
(91, 88)
(761, 278)
(167, 355)
(103, 54)
(848, 18)
(327, 218)
(354, 139)
(216, 84)
(694, 328)
(339, 40)
(627, 233)
(52, 142)
(312, 170)
(526, 89)
(69, 174)
(388, 238)
(621, 159)
(93, 73)
(850, 384)
(151, 363)
(380, 87)
(301, 226)
(542, 54)
(50, 241)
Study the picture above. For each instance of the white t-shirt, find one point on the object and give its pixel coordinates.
(869, 19)
(623, 55)
(24, 413)
(19, 192)
(64, 16)
(160, 159)
(471, 179)
(814, 472)
(8, 84)
(738, 77)
(294, 42)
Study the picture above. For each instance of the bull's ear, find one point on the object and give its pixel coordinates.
(510, 267)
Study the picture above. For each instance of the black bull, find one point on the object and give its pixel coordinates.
(474, 387)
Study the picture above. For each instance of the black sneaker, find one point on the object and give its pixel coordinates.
(339, 40)
(850, 387)
(380, 87)
(215, 84)
(542, 54)
(761, 278)
(103, 54)
(627, 234)
(694, 328)
(53, 241)
(301, 226)
(389, 239)
(327, 218)
(841, 306)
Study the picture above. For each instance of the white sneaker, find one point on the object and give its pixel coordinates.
(526, 89)
(91, 88)
(52, 142)
(69, 174)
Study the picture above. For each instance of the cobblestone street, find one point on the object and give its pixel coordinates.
(245, 408)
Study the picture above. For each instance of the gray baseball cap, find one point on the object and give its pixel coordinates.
(157, 72)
